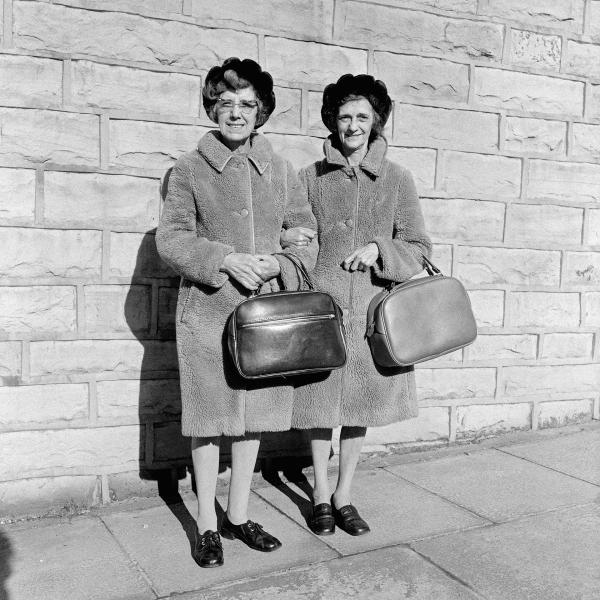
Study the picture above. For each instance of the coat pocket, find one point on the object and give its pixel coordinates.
(185, 291)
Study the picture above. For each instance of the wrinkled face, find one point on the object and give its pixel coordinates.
(236, 115)
(354, 124)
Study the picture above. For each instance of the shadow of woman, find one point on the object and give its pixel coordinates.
(6, 553)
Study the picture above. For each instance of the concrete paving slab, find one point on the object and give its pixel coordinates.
(496, 485)
(68, 561)
(553, 556)
(389, 574)
(577, 455)
(159, 540)
(396, 511)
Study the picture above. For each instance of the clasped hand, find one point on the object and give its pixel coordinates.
(250, 270)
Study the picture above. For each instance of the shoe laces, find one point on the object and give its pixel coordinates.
(210, 539)
(254, 527)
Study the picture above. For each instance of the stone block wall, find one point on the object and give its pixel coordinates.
(497, 114)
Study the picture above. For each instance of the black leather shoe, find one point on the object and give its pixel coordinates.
(251, 533)
(322, 521)
(348, 519)
(208, 551)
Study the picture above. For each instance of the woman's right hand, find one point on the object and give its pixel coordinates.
(244, 268)
(297, 236)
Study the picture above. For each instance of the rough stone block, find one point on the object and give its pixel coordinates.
(445, 128)
(97, 201)
(567, 345)
(43, 405)
(86, 451)
(545, 224)
(151, 145)
(442, 256)
(83, 357)
(126, 37)
(37, 496)
(586, 141)
(549, 381)
(10, 362)
(535, 136)
(529, 93)
(433, 423)
(104, 86)
(292, 60)
(167, 306)
(590, 310)
(498, 177)
(17, 196)
(315, 123)
(422, 78)
(306, 18)
(135, 255)
(169, 444)
(49, 136)
(530, 49)
(593, 23)
(466, 6)
(593, 102)
(299, 150)
(38, 310)
(48, 255)
(419, 161)
(583, 59)
(491, 419)
(554, 180)
(513, 266)
(28, 81)
(582, 269)
(135, 399)
(111, 309)
(499, 347)
(565, 412)
(446, 384)
(565, 15)
(488, 307)
(543, 309)
(286, 116)
(593, 228)
(463, 220)
(391, 28)
(150, 7)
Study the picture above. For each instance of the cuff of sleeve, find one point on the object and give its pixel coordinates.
(289, 274)
(217, 277)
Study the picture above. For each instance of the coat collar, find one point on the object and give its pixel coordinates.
(372, 161)
(217, 154)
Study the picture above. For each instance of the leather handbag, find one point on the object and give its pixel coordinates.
(420, 319)
(287, 333)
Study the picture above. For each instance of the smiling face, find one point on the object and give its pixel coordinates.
(236, 115)
(354, 123)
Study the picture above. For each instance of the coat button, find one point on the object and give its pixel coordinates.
(349, 222)
(244, 212)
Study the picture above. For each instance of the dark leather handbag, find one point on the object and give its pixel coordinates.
(420, 319)
(287, 333)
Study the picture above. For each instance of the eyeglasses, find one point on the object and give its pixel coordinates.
(245, 106)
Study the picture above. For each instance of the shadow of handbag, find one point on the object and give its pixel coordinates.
(420, 319)
(288, 332)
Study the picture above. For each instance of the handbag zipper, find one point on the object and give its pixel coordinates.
(289, 320)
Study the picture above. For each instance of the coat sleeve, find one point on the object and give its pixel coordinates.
(298, 213)
(195, 258)
(401, 256)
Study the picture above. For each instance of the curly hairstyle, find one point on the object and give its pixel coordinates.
(235, 74)
(353, 87)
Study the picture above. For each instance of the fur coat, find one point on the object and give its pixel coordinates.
(375, 202)
(219, 202)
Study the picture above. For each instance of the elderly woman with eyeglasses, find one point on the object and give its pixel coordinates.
(226, 205)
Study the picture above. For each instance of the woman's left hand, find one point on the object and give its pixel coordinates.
(362, 258)
(268, 265)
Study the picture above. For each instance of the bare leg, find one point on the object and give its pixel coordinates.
(244, 451)
(320, 445)
(205, 457)
(351, 441)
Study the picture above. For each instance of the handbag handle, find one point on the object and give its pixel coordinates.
(431, 269)
(300, 268)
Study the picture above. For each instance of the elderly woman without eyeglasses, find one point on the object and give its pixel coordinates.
(370, 232)
(226, 205)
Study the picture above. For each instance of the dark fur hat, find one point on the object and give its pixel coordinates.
(348, 86)
(247, 71)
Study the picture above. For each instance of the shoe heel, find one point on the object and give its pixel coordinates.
(227, 534)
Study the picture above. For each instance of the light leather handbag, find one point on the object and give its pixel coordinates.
(420, 319)
(287, 333)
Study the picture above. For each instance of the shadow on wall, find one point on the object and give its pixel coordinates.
(5, 558)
